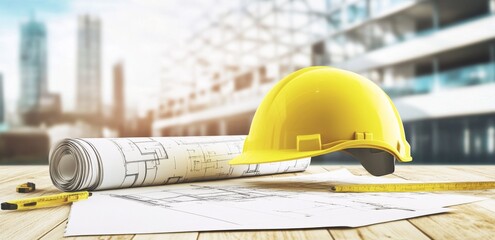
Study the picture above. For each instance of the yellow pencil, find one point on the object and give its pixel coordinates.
(45, 201)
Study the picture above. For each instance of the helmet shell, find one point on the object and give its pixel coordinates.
(318, 110)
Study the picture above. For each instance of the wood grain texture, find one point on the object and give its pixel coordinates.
(401, 229)
(267, 235)
(470, 221)
(391, 230)
(58, 232)
(168, 236)
(467, 222)
(29, 224)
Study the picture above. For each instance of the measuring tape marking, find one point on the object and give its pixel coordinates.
(414, 187)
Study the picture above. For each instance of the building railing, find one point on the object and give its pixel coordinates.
(398, 39)
(459, 77)
(433, 30)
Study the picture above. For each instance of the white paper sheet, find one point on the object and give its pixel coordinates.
(107, 163)
(277, 203)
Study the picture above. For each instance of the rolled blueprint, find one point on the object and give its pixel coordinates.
(109, 163)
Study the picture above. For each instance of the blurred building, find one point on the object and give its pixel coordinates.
(36, 104)
(24, 146)
(118, 116)
(88, 96)
(50, 109)
(33, 65)
(435, 58)
(139, 126)
(2, 103)
(74, 129)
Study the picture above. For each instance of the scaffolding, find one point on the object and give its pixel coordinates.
(235, 58)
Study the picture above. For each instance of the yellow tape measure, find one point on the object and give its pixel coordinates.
(414, 187)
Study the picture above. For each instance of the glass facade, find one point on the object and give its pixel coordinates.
(367, 27)
(357, 12)
(33, 65)
(380, 29)
(461, 140)
(459, 77)
(454, 140)
(2, 103)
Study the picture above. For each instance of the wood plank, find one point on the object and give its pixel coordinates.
(34, 223)
(468, 221)
(487, 171)
(103, 237)
(10, 168)
(438, 173)
(267, 235)
(401, 229)
(488, 204)
(168, 236)
(21, 175)
(58, 233)
(390, 230)
(446, 173)
(483, 170)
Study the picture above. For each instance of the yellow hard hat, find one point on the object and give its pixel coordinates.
(319, 110)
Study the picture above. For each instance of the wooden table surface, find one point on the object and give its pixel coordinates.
(469, 221)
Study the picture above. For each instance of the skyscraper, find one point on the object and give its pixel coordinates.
(33, 65)
(118, 97)
(2, 104)
(88, 66)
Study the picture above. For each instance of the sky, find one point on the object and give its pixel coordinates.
(138, 33)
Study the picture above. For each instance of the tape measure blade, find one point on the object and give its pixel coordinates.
(414, 187)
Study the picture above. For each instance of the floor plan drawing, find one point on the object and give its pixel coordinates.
(198, 193)
(249, 204)
(142, 156)
(210, 155)
(109, 163)
(307, 204)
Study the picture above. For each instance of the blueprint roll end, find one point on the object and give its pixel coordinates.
(70, 166)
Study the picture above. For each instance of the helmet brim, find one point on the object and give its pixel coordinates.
(266, 156)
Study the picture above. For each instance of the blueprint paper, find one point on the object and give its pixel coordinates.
(109, 163)
(242, 204)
